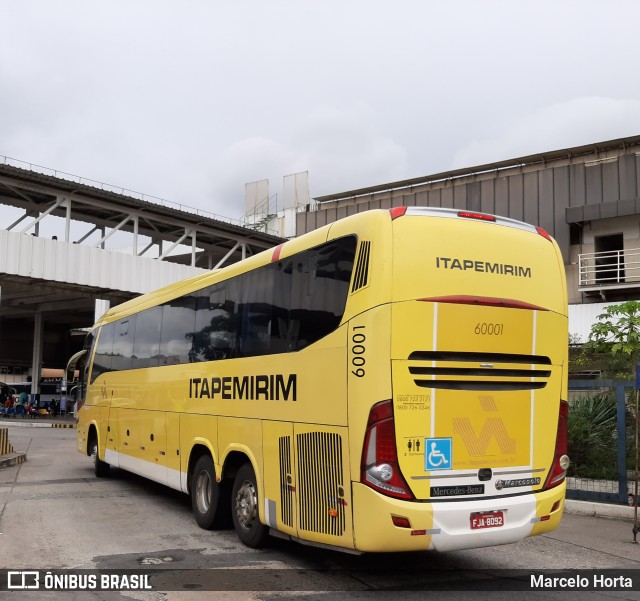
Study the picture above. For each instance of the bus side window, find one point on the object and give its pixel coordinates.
(123, 344)
(83, 371)
(320, 288)
(176, 337)
(216, 322)
(265, 310)
(102, 362)
(146, 342)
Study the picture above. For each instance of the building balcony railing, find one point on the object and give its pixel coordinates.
(614, 269)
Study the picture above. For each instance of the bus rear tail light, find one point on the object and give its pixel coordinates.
(486, 301)
(561, 461)
(380, 469)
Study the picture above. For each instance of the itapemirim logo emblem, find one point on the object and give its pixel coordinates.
(493, 428)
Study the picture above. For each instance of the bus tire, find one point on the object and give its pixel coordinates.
(100, 468)
(245, 508)
(205, 493)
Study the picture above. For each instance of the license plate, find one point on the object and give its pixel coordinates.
(487, 519)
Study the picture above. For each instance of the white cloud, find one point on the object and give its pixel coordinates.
(572, 123)
(188, 101)
(344, 148)
(340, 147)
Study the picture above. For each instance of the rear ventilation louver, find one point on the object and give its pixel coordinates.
(286, 484)
(321, 483)
(480, 372)
(361, 275)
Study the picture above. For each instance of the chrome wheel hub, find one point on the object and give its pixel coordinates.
(246, 505)
(203, 492)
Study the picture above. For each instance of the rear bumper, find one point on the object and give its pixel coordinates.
(446, 526)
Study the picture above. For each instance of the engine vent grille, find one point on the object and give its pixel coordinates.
(361, 276)
(483, 371)
(320, 483)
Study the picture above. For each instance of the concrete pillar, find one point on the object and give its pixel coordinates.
(36, 362)
(101, 307)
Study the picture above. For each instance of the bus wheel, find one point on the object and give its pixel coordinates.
(244, 508)
(100, 468)
(205, 493)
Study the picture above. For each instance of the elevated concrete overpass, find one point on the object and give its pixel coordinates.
(70, 247)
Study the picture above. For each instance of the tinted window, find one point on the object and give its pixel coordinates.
(178, 322)
(319, 290)
(104, 351)
(89, 340)
(216, 329)
(146, 342)
(266, 294)
(123, 343)
(278, 308)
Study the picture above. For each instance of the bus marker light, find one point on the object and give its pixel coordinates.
(418, 532)
(397, 212)
(333, 512)
(544, 518)
(276, 253)
(543, 233)
(480, 216)
(400, 522)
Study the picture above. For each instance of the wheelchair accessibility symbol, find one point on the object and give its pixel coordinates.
(437, 454)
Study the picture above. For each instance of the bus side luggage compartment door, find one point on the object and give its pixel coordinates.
(323, 484)
(279, 477)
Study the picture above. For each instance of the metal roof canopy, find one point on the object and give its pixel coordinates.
(41, 195)
(28, 302)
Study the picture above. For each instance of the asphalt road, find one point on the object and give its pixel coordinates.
(54, 514)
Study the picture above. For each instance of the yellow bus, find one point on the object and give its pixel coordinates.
(393, 381)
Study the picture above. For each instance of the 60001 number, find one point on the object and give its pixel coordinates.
(358, 351)
(489, 329)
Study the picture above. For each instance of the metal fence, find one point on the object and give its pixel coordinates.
(616, 491)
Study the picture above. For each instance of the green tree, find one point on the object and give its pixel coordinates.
(618, 332)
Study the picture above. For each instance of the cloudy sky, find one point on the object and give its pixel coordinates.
(189, 100)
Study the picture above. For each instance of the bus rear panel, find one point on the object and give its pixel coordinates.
(478, 349)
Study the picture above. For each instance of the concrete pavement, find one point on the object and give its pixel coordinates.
(7, 456)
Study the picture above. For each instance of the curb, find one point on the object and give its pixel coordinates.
(12, 459)
(600, 510)
(35, 424)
